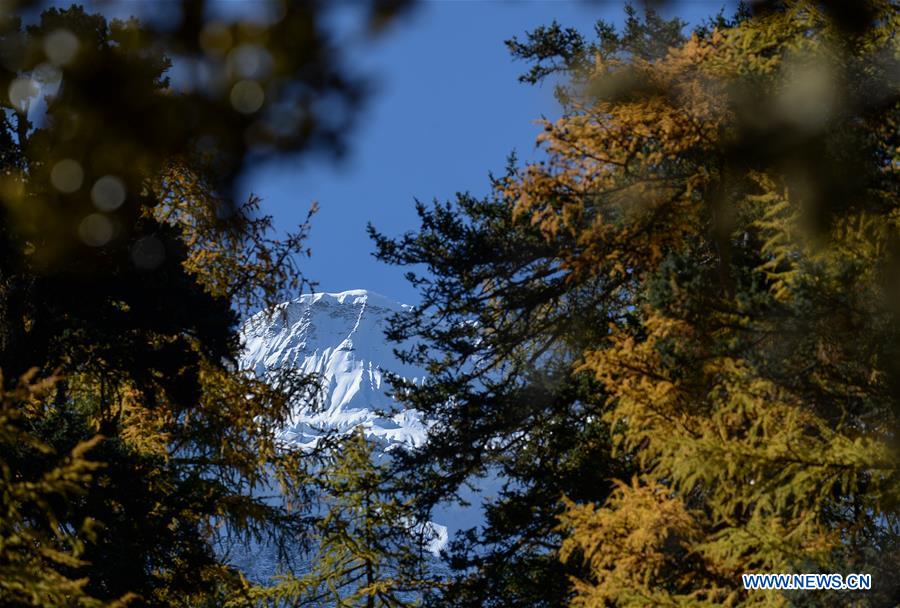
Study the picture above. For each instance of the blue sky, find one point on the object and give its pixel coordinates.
(446, 110)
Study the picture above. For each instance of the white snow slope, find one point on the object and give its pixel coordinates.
(340, 337)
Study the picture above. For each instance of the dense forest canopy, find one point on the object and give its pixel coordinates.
(129, 439)
(674, 339)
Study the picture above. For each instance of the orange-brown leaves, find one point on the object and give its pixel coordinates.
(753, 369)
(622, 180)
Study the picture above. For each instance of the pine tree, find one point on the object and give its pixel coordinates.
(708, 249)
(31, 552)
(501, 394)
(126, 263)
(742, 189)
(371, 544)
(503, 329)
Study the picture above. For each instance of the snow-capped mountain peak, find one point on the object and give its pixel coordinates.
(340, 338)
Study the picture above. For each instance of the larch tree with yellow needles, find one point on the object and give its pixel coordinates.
(131, 442)
(741, 194)
(710, 249)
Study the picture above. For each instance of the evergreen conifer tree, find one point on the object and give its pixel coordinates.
(371, 543)
(126, 263)
(709, 251)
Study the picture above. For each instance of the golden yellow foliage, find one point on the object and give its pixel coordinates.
(752, 378)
